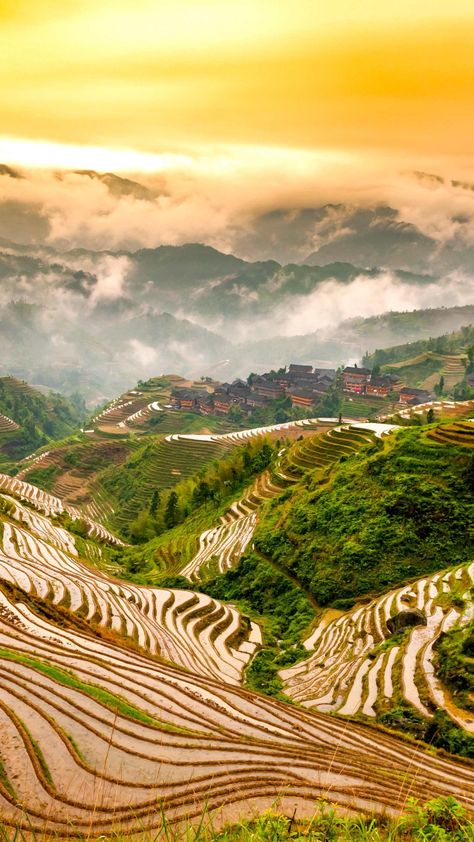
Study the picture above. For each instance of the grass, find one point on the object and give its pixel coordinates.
(439, 820)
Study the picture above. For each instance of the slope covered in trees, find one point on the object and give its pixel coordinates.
(38, 418)
(404, 510)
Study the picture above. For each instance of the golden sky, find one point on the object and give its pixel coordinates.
(171, 75)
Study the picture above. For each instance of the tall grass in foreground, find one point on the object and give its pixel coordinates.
(439, 820)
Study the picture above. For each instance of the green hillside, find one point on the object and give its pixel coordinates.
(405, 509)
(37, 419)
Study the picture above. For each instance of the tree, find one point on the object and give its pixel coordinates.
(470, 356)
(439, 387)
(202, 493)
(171, 511)
(235, 415)
(142, 529)
(155, 502)
(430, 416)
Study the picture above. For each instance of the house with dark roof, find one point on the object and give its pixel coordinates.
(379, 386)
(325, 373)
(257, 401)
(302, 397)
(355, 379)
(185, 399)
(206, 404)
(267, 388)
(412, 397)
(295, 368)
(222, 402)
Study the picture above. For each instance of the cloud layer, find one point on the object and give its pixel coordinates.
(259, 204)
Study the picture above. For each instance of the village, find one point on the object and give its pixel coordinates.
(302, 387)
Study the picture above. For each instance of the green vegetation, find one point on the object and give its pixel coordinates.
(208, 480)
(44, 477)
(282, 609)
(362, 406)
(442, 819)
(454, 664)
(40, 419)
(439, 820)
(404, 510)
(439, 732)
(449, 343)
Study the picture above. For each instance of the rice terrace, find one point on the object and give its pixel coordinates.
(166, 665)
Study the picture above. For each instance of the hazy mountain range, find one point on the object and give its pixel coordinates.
(94, 321)
(413, 221)
(292, 282)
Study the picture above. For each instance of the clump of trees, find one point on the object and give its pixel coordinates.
(210, 486)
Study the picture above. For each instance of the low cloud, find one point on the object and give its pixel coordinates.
(256, 203)
(111, 273)
(334, 302)
(144, 355)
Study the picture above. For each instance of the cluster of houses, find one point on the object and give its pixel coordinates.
(361, 381)
(304, 385)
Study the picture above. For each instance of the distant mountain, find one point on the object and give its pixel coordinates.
(375, 238)
(94, 320)
(134, 211)
(119, 186)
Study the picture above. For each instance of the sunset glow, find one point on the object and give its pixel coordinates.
(165, 77)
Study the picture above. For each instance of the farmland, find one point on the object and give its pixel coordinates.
(115, 694)
(113, 697)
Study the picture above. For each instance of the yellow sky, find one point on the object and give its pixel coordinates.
(157, 75)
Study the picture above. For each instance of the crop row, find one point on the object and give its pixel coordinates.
(7, 425)
(98, 737)
(460, 433)
(242, 436)
(53, 506)
(445, 408)
(186, 628)
(222, 546)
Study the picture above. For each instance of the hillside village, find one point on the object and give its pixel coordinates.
(299, 387)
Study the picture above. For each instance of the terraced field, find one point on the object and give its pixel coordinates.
(425, 370)
(222, 546)
(442, 408)
(117, 701)
(132, 409)
(242, 436)
(7, 425)
(354, 668)
(460, 433)
(321, 451)
(51, 505)
(178, 456)
(361, 408)
(95, 735)
(167, 462)
(188, 629)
